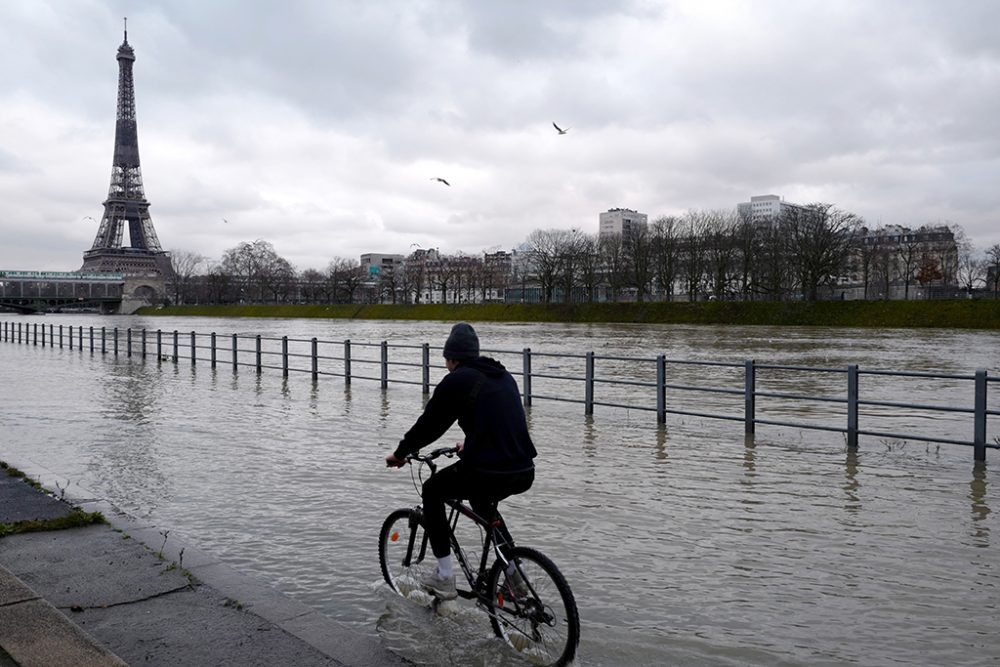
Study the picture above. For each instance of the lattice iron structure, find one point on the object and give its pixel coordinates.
(126, 205)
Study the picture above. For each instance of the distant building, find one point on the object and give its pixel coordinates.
(761, 208)
(897, 262)
(383, 276)
(377, 266)
(622, 221)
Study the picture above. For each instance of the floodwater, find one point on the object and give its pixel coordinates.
(685, 544)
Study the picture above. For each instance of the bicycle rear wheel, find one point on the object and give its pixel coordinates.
(404, 551)
(534, 611)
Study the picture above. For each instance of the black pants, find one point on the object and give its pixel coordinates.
(483, 491)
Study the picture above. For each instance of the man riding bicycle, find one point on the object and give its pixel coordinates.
(495, 459)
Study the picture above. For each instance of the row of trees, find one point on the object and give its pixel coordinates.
(809, 252)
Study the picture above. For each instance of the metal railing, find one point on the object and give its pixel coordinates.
(634, 383)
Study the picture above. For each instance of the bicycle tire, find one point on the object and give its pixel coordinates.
(543, 625)
(392, 546)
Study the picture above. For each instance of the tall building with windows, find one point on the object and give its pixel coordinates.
(761, 208)
(622, 221)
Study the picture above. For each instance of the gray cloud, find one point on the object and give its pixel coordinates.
(318, 126)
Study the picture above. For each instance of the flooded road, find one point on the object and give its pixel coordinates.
(684, 544)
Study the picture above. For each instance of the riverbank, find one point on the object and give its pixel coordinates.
(949, 314)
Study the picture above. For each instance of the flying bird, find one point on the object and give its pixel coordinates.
(560, 130)
(437, 178)
(225, 221)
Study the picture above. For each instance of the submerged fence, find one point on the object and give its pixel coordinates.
(749, 392)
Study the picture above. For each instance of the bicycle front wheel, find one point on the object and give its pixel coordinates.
(532, 608)
(404, 551)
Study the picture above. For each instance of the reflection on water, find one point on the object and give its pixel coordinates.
(685, 543)
(980, 508)
(852, 485)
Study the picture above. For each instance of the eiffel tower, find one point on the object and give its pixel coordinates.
(126, 204)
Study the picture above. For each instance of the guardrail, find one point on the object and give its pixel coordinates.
(838, 388)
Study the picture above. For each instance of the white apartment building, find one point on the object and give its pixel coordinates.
(622, 221)
(764, 207)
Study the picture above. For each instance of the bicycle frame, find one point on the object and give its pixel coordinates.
(491, 538)
(475, 578)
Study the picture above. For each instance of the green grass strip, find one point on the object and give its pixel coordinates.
(945, 314)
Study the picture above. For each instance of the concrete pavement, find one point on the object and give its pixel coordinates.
(104, 595)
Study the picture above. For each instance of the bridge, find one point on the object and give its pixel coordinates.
(60, 291)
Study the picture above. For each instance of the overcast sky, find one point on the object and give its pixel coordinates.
(319, 126)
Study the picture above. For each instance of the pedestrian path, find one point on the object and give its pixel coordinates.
(110, 595)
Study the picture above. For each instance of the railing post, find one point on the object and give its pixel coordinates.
(194, 347)
(284, 356)
(979, 429)
(257, 353)
(852, 406)
(104, 340)
(385, 365)
(43, 335)
(71, 336)
(661, 390)
(35, 332)
(425, 368)
(142, 342)
(60, 336)
(128, 342)
(81, 338)
(588, 392)
(159, 345)
(114, 339)
(749, 397)
(214, 348)
(175, 341)
(526, 389)
(347, 361)
(235, 360)
(91, 340)
(315, 359)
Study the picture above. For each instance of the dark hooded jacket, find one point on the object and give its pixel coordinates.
(485, 400)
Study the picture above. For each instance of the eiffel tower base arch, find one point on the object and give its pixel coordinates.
(141, 291)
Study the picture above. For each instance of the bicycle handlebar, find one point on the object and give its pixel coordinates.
(428, 458)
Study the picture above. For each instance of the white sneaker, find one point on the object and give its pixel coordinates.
(443, 587)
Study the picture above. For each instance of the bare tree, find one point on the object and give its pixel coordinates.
(185, 265)
(639, 251)
(720, 251)
(746, 247)
(692, 254)
(993, 267)
(415, 275)
(545, 249)
(347, 276)
(867, 248)
(311, 286)
(820, 238)
(666, 246)
(569, 245)
(255, 267)
(589, 264)
(907, 257)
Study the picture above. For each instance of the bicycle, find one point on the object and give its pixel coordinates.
(528, 601)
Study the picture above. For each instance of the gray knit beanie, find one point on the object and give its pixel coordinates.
(462, 343)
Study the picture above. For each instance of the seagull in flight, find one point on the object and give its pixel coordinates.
(560, 130)
(225, 221)
(437, 178)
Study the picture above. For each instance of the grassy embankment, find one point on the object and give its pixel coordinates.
(955, 314)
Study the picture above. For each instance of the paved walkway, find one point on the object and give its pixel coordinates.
(100, 595)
